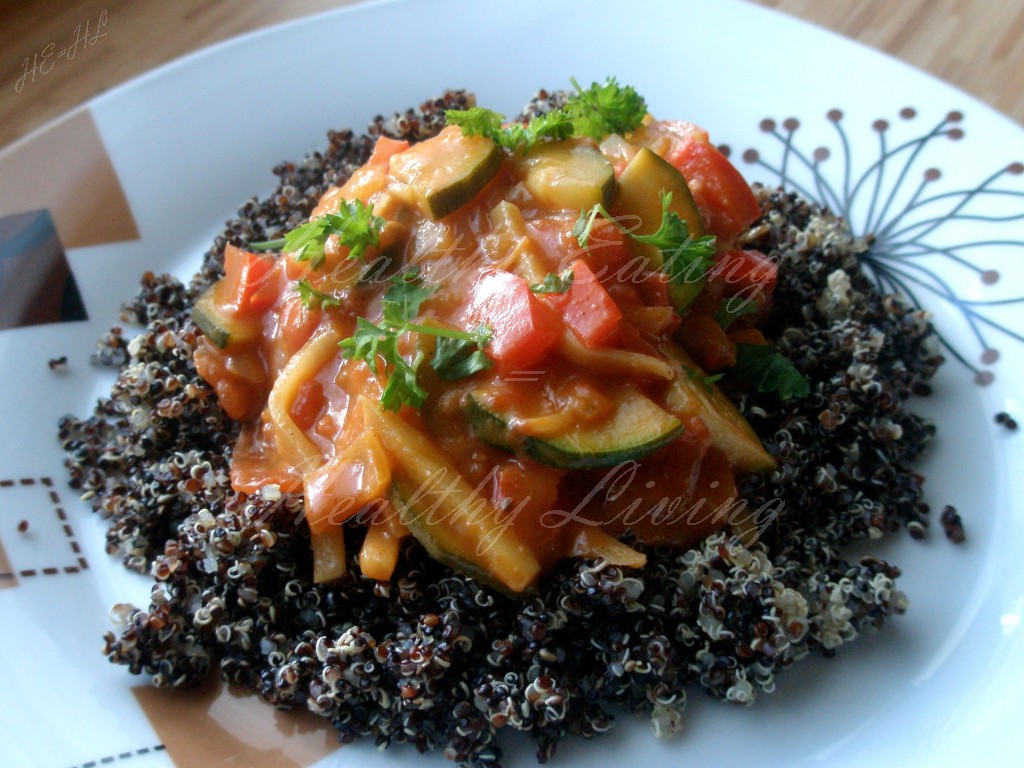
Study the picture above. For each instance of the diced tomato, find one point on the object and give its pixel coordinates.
(722, 194)
(525, 328)
(703, 338)
(384, 149)
(745, 271)
(249, 287)
(587, 307)
(606, 249)
(297, 323)
(309, 402)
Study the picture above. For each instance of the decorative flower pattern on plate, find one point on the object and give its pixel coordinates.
(926, 241)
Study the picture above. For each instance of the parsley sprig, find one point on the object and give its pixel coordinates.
(768, 370)
(601, 110)
(516, 137)
(553, 283)
(457, 353)
(685, 258)
(314, 299)
(355, 225)
(596, 112)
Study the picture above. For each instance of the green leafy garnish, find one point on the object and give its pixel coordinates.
(768, 370)
(601, 110)
(733, 308)
(354, 224)
(679, 249)
(402, 299)
(312, 298)
(684, 257)
(457, 358)
(596, 112)
(707, 380)
(516, 137)
(554, 283)
(457, 354)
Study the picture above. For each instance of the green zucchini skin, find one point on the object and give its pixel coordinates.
(638, 428)
(448, 199)
(569, 175)
(217, 328)
(640, 188)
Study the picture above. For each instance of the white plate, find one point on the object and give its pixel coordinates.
(191, 141)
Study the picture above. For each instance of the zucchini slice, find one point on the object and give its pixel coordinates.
(636, 428)
(730, 432)
(220, 327)
(639, 199)
(569, 174)
(446, 514)
(447, 171)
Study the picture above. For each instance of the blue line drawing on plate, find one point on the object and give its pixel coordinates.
(892, 205)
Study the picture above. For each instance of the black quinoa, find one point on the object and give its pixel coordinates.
(437, 660)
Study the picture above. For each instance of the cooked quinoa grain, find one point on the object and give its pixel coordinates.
(437, 660)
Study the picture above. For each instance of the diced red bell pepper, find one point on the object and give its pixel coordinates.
(524, 327)
(587, 307)
(722, 194)
(250, 286)
(703, 338)
(745, 271)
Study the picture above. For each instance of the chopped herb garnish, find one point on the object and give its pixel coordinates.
(601, 110)
(554, 283)
(457, 358)
(354, 224)
(312, 298)
(768, 370)
(402, 299)
(458, 353)
(595, 112)
(685, 259)
(516, 137)
(703, 378)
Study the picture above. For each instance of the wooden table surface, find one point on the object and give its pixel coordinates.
(977, 45)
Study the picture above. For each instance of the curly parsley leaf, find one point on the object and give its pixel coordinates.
(685, 259)
(554, 283)
(601, 110)
(476, 121)
(596, 112)
(456, 358)
(355, 225)
(457, 353)
(311, 298)
(768, 370)
(402, 299)
(516, 137)
(585, 223)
